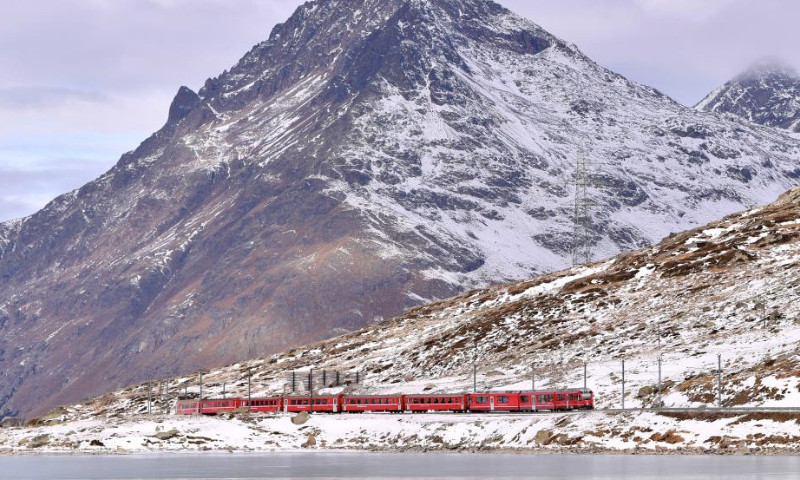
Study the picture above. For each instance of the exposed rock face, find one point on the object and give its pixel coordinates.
(767, 94)
(371, 155)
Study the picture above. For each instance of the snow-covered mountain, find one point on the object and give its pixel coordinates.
(371, 155)
(768, 93)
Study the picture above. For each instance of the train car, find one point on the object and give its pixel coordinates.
(317, 403)
(271, 404)
(372, 403)
(563, 400)
(498, 401)
(584, 399)
(186, 407)
(213, 406)
(436, 403)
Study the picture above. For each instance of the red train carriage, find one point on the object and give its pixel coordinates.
(213, 406)
(321, 403)
(497, 401)
(272, 404)
(186, 407)
(436, 403)
(372, 403)
(585, 399)
(562, 400)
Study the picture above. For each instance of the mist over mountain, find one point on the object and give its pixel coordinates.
(767, 93)
(368, 157)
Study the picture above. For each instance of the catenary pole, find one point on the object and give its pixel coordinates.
(660, 402)
(719, 380)
(623, 384)
(584, 375)
(201, 393)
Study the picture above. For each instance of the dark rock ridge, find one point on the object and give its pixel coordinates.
(768, 93)
(369, 156)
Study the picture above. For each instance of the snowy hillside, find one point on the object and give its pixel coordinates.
(729, 288)
(370, 156)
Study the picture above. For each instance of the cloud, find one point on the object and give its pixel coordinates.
(684, 48)
(22, 98)
(27, 188)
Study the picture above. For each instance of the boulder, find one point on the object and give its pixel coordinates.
(300, 418)
(166, 435)
(543, 437)
(39, 441)
(310, 441)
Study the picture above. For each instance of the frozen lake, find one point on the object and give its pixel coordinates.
(396, 466)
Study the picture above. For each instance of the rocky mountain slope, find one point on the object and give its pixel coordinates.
(768, 93)
(730, 288)
(370, 156)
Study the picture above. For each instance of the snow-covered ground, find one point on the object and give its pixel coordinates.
(572, 432)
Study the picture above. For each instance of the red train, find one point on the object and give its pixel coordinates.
(546, 400)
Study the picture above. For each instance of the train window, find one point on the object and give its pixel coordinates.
(587, 395)
(480, 399)
(523, 398)
(502, 399)
(561, 397)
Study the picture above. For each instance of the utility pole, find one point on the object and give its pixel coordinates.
(311, 388)
(474, 366)
(533, 376)
(584, 375)
(719, 380)
(149, 397)
(660, 403)
(248, 388)
(223, 390)
(200, 401)
(623, 384)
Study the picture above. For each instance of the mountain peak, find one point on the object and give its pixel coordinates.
(183, 103)
(767, 93)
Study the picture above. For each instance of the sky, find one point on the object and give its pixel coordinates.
(83, 81)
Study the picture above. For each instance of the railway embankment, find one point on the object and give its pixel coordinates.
(580, 432)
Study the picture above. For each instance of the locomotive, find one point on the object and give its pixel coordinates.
(487, 402)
